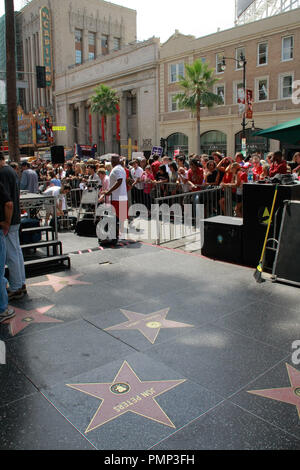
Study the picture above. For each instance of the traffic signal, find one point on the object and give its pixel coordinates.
(162, 143)
(40, 76)
(47, 123)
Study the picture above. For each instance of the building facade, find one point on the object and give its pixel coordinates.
(83, 43)
(61, 35)
(132, 72)
(272, 50)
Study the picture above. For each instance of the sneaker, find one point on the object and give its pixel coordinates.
(24, 289)
(15, 295)
(7, 314)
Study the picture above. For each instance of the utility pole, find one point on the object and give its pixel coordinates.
(11, 83)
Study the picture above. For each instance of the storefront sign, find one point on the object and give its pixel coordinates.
(59, 128)
(46, 43)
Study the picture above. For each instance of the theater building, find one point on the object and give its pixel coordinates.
(271, 47)
(132, 72)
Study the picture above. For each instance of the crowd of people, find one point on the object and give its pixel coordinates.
(170, 176)
(118, 181)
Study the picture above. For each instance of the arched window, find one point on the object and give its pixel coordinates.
(177, 141)
(254, 143)
(213, 141)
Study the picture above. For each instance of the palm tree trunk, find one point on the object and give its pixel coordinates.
(11, 85)
(198, 130)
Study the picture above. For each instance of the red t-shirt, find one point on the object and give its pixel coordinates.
(257, 171)
(276, 168)
(196, 178)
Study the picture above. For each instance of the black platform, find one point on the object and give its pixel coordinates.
(223, 239)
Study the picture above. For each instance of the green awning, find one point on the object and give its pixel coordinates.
(288, 132)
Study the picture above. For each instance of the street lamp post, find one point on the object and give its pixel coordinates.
(11, 86)
(242, 63)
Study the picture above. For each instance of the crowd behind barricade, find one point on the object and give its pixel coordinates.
(157, 177)
(139, 181)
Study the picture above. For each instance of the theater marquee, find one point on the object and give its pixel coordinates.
(46, 46)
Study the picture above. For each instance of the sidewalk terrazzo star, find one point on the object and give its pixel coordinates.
(149, 325)
(24, 318)
(127, 393)
(289, 395)
(58, 283)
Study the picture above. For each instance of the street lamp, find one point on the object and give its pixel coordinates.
(242, 63)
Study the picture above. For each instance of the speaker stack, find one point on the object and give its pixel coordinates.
(257, 204)
(223, 239)
(58, 154)
(287, 261)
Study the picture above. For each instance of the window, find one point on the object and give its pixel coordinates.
(78, 46)
(176, 71)
(92, 46)
(239, 52)
(220, 91)
(104, 44)
(173, 103)
(117, 44)
(132, 106)
(286, 86)
(287, 48)
(219, 62)
(239, 93)
(262, 53)
(262, 89)
(78, 57)
(78, 36)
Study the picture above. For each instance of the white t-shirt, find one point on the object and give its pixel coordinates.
(117, 173)
(135, 174)
(52, 191)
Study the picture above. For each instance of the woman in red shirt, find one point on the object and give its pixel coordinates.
(257, 168)
(237, 179)
(227, 178)
(195, 175)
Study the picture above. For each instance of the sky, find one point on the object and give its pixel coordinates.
(160, 18)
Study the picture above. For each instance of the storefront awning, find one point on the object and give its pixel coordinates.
(288, 132)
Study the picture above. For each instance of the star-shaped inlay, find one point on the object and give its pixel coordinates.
(149, 325)
(24, 318)
(127, 393)
(58, 283)
(289, 395)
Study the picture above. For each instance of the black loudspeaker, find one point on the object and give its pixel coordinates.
(223, 239)
(57, 154)
(257, 204)
(287, 261)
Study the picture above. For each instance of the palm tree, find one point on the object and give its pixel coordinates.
(197, 85)
(105, 102)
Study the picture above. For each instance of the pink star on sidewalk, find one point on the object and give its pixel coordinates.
(127, 393)
(289, 395)
(149, 325)
(58, 283)
(25, 318)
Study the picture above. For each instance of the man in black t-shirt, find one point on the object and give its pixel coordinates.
(14, 255)
(6, 210)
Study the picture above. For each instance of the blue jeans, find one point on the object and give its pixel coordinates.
(14, 259)
(3, 281)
